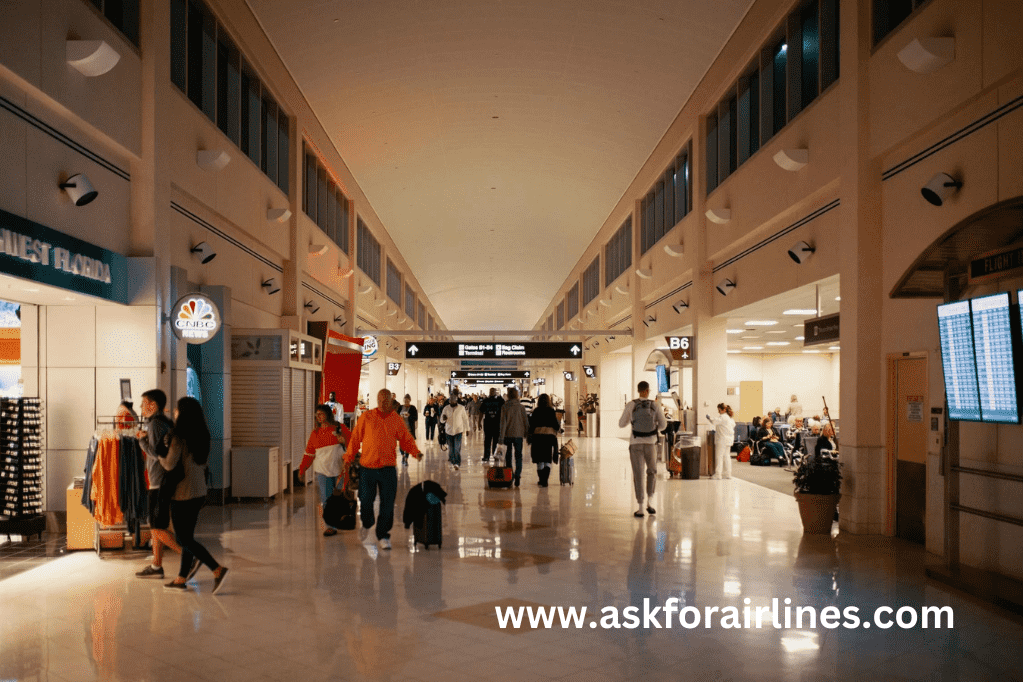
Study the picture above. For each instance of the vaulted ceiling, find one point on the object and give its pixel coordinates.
(493, 138)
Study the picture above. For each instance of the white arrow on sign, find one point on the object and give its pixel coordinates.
(575, 350)
(413, 350)
(453, 375)
(527, 375)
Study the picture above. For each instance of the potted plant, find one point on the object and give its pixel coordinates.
(817, 483)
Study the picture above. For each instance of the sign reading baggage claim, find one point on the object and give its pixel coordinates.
(195, 319)
(527, 350)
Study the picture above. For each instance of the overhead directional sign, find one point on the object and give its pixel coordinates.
(527, 350)
(681, 347)
(393, 368)
(498, 374)
(590, 371)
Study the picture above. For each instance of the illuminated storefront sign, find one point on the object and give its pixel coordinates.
(369, 346)
(195, 319)
(36, 252)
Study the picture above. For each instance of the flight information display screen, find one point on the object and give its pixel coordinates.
(993, 348)
(958, 366)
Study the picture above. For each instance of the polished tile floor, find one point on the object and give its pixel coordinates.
(299, 606)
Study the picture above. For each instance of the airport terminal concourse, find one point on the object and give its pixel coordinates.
(574, 340)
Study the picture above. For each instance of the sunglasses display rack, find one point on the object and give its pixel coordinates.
(21, 467)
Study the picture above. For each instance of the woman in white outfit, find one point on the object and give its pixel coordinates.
(725, 433)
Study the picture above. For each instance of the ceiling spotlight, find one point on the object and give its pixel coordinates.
(204, 252)
(726, 286)
(680, 306)
(339, 320)
(800, 252)
(312, 307)
(941, 187)
(317, 249)
(278, 215)
(650, 320)
(79, 189)
(596, 344)
(271, 286)
(609, 338)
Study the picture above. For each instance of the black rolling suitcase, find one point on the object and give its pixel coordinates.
(428, 530)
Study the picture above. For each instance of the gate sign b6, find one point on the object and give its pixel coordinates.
(681, 347)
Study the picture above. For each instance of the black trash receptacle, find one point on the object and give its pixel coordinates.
(691, 462)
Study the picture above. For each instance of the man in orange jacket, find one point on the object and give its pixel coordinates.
(376, 434)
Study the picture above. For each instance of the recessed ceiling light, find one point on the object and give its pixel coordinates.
(776, 331)
(812, 351)
(837, 298)
(800, 311)
(750, 337)
(69, 298)
(733, 351)
(799, 338)
(753, 347)
(799, 326)
(734, 331)
(31, 289)
(833, 347)
(761, 323)
(778, 343)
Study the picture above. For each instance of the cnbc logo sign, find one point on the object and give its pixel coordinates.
(195, 319)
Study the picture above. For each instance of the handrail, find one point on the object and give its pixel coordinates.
(986, 514)
(990, 474)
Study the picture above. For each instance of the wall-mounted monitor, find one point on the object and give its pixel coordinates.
(662, 371)
(958, 366)
(993, 350)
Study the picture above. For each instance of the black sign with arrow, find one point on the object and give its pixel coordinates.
(527, 350)
(491, 374)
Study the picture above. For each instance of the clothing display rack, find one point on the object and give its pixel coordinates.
(21, 467)
(115, 486)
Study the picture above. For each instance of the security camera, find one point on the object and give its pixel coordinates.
(726, 286)
(271, 286)
(800, 252)
(940, 188)
(79, 189)
(204, 252)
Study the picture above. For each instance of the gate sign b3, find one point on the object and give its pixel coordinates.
(393, 368)
(681, 347)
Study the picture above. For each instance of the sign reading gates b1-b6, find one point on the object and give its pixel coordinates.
(527, 350)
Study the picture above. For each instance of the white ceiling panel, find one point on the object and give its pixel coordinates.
(493, 213)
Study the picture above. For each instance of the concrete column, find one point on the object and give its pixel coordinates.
(862, 372)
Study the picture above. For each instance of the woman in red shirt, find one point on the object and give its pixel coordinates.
(324, 451)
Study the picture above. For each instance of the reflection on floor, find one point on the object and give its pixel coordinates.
(299, 606)
(18, 554)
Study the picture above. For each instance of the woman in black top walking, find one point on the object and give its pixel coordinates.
(543, 438)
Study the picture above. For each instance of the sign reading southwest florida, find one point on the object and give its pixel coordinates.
(527, 350)
(196, 319)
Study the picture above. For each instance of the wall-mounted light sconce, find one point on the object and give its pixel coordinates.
(609, 339)
(312, 307)
(675, 250)
(645, 273)
(271, 286)
(212, 160)
(941, 187)
(651, 319)
(924, 55)
(392, 312)
(204, 252)
(79, 189)
(345, 273)
(680, 306)
(800, 252)
(365, 289)
(91, 57)
(278, 215)
(622, 289)
(792, 159)
(719, 215)
(726, 286)
(379, 302)
(604, 301)
(317, 249)
(596, 344)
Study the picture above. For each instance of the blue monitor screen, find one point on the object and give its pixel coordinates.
(993, 348)
(662, 371)
(958, 365)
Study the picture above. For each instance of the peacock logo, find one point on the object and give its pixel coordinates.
(196, 319)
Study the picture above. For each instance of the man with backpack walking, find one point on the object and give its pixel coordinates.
(646, 420)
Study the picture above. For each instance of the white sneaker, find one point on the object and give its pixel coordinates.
(384, 543)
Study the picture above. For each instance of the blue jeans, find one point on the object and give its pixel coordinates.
(516, 443)
(455, 449)
(385, 478)
(325, 486)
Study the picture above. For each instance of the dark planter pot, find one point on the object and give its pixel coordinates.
(817, 512)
